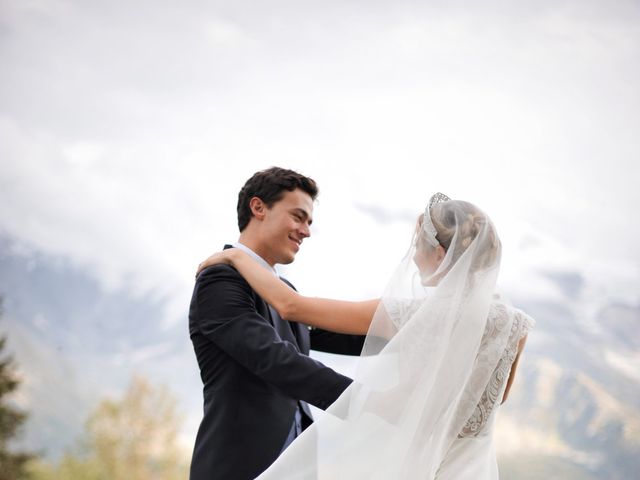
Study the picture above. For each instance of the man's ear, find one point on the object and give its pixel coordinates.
(258, 207)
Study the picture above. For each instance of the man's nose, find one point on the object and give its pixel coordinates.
(305, 230)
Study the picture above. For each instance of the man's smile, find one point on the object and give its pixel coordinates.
(295, 240)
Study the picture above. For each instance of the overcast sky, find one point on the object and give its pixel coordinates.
(127, 129)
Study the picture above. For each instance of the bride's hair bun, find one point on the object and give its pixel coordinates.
(465, 222)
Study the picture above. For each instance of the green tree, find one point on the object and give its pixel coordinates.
(12, 463)
(133, 438)
(136, 438)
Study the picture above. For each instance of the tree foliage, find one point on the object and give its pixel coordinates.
(12, 463)
(133, 438)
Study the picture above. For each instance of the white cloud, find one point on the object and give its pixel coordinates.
(126, 132)
(628, 364)
(225, 33)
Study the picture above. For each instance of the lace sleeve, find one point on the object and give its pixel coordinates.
(400, 310)
(525, 323)
(497, 322)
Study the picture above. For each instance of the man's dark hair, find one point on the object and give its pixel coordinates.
(269, 186)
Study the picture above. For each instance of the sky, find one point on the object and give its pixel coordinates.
(127, 129)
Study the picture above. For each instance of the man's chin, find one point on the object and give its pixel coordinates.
(286, 260)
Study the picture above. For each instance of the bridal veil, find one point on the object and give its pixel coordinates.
(424, 367)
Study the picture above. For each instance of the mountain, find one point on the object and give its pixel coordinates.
(75, 344)
(574, 412)
(577, 404)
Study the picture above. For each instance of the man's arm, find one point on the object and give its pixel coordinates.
(325, 341)
(227, 316)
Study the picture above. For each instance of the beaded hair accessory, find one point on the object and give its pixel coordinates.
(427, 224)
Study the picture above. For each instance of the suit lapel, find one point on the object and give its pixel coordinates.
(293, 332)
(282, 327)
(301, 332)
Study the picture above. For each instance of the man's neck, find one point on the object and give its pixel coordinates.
(256, 257)
(254, 244)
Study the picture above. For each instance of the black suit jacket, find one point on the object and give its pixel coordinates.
(255, 369)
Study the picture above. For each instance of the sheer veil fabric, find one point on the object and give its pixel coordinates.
(430, 373)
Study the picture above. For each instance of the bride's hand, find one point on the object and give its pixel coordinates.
(217, 258)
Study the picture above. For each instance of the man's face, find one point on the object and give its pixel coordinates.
(285, 225)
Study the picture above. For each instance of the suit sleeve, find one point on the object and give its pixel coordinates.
(226, 315)
(325, 341)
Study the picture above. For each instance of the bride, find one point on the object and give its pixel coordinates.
(438, 361)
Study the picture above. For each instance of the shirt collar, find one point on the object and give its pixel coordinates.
(255, 256)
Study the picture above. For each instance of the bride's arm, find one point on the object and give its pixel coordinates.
(334, 315)
(514, 366)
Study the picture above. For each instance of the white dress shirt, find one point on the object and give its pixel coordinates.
(255, 256)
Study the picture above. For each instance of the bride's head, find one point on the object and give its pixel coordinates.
(447, 230)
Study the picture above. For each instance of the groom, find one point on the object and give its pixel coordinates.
(257, 375)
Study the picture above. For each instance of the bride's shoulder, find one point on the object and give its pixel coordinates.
(503, 312)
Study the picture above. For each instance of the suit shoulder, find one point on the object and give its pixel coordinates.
(220, 268)
(220, 272)
(219, 281)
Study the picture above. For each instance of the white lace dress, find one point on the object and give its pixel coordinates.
(382, 428)
(472, 455)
